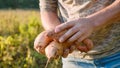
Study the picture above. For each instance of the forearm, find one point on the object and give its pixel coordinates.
(49, 20)
(107, 15)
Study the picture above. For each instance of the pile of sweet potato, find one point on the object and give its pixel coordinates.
(47, 43)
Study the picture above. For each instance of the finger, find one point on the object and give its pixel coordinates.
(68, 34)
(81, 38)
(82, 48)
(72, 48)
(65, 53)
(75, 37)
(63, 26)
(88, 43)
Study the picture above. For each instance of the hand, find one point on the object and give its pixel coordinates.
(44, 40)
(85, 47)
(69, 50)
(78, 30)
(70, 47)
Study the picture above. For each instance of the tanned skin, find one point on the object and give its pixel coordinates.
(81, 28)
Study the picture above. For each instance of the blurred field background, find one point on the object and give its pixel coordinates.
(19, 25)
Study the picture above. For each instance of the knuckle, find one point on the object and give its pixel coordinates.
(59, 27)
(73, 29)
(77, 27)
(65, 35)
(67, 23)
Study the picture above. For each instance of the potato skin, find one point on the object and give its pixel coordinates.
(87, 44)
(47, 43)
(41, 42)
(53, 50)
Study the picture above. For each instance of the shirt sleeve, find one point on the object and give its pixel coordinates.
(48, 5)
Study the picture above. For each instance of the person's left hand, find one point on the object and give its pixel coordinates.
(78, 30)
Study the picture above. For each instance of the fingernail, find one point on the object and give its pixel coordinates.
(61, 40)
(57, 30)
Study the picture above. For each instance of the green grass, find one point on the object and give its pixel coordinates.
(18, 29)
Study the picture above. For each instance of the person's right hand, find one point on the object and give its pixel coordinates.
(70, 47)
(86, 46)
(43, 40)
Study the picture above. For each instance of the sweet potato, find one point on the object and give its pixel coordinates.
(41, 42)
(47, 43)
(56, 49)
(87, 44)
(53, 50)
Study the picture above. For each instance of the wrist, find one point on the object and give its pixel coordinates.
(95, 21)
(106, 16)
(101, 18)
(50, 25)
